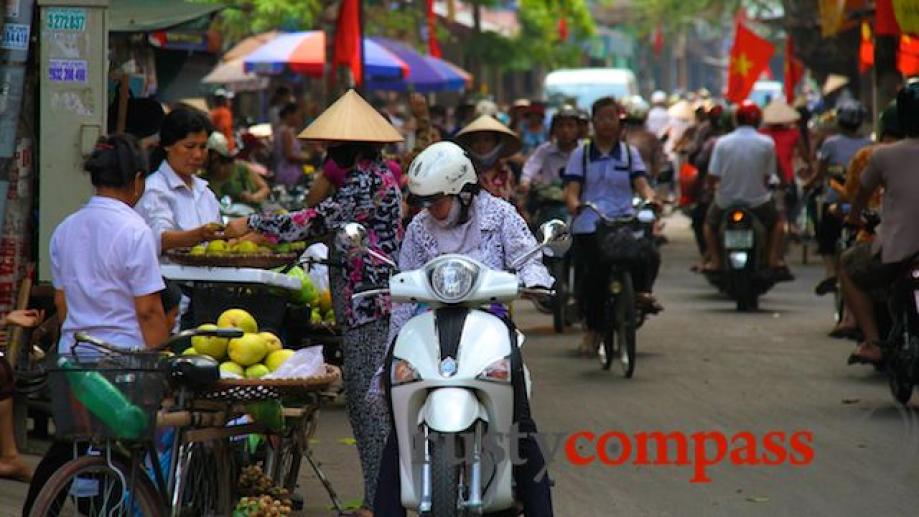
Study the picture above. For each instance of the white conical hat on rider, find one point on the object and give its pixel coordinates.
(489, 124)
(351, 119)
(441, 169)
(779, 112)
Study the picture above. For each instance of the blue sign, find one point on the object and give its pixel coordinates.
(67, 71)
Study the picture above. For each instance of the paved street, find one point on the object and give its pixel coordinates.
(703, 367)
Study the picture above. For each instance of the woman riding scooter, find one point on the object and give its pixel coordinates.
(460, 218)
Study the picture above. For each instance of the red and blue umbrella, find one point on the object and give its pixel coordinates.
(426, 73)
(304, 53)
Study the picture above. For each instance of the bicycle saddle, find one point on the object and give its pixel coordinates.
(193, 371)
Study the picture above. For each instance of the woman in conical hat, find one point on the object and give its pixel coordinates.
(354, 133)
(489, 143)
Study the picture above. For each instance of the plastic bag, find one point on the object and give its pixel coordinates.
(306, 362)
(319, 273)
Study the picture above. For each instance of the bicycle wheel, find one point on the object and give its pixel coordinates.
(626, 319)
(99, 490)
(560, 300)
(609, 350)
(205, 477)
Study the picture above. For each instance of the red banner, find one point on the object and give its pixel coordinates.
(433, 45)
(794, 70)
(347, 50)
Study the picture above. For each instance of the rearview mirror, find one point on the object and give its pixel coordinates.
(351, 239)
(556, 240)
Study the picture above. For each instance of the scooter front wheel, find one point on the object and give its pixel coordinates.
(445, 476)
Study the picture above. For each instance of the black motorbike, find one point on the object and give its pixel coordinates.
(745, 273)
(547, 203)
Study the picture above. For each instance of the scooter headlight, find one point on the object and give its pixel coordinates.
(498, 371)
(402, 372)
(452, 279)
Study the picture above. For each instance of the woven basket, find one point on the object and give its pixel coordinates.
(257, 260)
(252, 390)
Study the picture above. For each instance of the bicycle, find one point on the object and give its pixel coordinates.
(120, 473)
(622, 318)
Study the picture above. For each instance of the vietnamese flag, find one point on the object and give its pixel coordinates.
(866, 49)
(749, 57)
(348, 36)
(794, 71)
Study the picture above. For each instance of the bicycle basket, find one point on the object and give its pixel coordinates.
(617, 242)
(106, 397)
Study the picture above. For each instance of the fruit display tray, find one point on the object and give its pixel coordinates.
(253, 390)
(255, 260)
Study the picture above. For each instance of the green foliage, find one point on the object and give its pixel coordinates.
(243, 18)
(539, 40)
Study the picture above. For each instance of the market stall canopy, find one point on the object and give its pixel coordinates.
(249, 45)
(299, 52)
(152, 15)
(233, 75)
(426, 73)
(304, 53)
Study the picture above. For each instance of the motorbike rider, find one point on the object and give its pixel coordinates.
(832, 160)
(490, 143)
(605, 171)
(462, 218)
(542, 172)
(742, 163)
(639, 136)
(869, 267)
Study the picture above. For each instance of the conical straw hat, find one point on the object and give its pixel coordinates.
(834, 82)
(351, 119)
(681, 110)
(487, 123)
(779, 112)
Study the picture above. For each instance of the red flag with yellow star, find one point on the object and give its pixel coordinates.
(749, 57)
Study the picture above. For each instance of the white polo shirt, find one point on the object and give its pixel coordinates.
(169, 205)
(102, 257)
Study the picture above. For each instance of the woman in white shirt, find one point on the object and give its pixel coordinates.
(103, 257)
(178, 205)
(105, 272)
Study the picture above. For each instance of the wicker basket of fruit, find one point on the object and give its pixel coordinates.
(220, 253)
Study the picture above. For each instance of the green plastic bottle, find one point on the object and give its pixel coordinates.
(105, 402)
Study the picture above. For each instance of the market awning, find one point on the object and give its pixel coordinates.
(152, 15)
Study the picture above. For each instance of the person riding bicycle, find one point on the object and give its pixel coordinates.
(606, 172)
(542, 172)
(105, 270)
(742, 164)
(869, 267)
(832, 160)
(460, 217)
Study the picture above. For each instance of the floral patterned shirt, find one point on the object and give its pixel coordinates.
(370, 195)
(505, 237)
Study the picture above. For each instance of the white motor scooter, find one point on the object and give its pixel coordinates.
(450, 376)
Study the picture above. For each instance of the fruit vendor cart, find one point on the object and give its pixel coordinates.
(266, 296)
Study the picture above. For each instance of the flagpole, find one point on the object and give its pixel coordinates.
(360, 20)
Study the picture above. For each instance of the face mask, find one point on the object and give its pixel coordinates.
(344, 155)
(486, 161)
(452, 216)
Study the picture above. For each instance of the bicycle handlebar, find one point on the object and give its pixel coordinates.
(83, 338)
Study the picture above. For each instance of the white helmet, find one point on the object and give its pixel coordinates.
(658, 97)
(440, 169)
